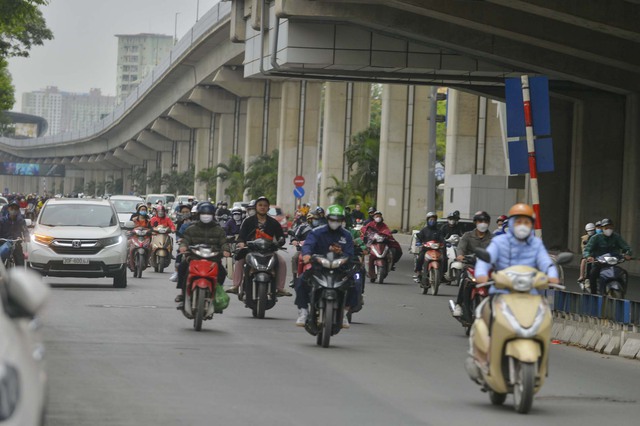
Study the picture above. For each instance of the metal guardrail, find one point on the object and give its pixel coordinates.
(217, 13)
(621, 311)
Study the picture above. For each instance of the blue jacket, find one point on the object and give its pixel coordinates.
(232, 228)
(319, 240)
(13, 228)
(506, 250)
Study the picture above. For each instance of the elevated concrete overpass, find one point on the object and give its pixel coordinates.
(243, 82)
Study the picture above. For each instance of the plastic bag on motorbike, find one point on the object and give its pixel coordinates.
(221, 299)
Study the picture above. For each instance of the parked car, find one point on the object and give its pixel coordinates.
(277, 213)
(22, 369)
(125, 206)
(75, 237)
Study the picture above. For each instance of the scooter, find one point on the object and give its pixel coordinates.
(380, 257)
(161, 248)
(330, 283)
(478, 294)
(139, 247)
(431, 274)
(201, 285)
(612, 277)
(454, 267)
(511, 336)
(258, 291)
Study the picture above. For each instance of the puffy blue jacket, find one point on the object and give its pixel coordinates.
(319, 240)
(506, 250)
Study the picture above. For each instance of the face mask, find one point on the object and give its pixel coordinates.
(598, 231)
(315, 222)
(333, 224)
(237, 216)
(451, 222)
(431, 222)
(482, 227)
(590, 233)
(13, 212)
(521, 231)
(378, 219)
(251, 213)
(608, 232)
(160, 214)
(206, 218)
(143, 213)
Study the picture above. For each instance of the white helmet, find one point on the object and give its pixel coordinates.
(589, 227)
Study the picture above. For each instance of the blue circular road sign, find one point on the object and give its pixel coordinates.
(298, 192)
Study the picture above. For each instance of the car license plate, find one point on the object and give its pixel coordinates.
(75, 261)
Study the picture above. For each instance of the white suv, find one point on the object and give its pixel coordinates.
(76, 237)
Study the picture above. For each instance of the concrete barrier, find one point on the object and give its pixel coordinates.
(631, 347)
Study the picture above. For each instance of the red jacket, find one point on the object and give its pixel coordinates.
(374, 227)
(163, 221)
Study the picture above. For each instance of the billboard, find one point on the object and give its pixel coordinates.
(31, 169)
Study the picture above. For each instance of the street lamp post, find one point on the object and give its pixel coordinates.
(175, 28)
(197, 10)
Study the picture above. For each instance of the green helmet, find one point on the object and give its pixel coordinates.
(335, 212)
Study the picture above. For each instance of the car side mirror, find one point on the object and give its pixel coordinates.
(26, 291)
(129, 225)
(482, 254)
(29, 223)
(564, 258)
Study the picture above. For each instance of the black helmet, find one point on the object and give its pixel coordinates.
(206, 208)
(319, 210)
(606, 222)
(481, 216)
(262, 198)
(456, 214)
(453, 215)
(370, 210)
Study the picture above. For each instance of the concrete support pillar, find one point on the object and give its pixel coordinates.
(262, 122)
(347, 112)
(127, 183)
(225, 150)
(403, 172)
(629, 226)
(183, 157)
(298, 151)
(202, 160)
(253, 134)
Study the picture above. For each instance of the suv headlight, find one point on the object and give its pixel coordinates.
(112, 241)
(42, 239)
(9, 391)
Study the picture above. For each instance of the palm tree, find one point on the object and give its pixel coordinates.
(90, 188)
(210, 178)
(154, 181)
(262, 176)
(138, 178)
(179, 182)
(362, 158)
(233, 174)
(344, 193)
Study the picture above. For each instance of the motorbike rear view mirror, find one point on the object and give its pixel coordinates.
(29, 223)
(482, 254)
(26, 292)
(395, 231)
(128, 225)
(564, 258)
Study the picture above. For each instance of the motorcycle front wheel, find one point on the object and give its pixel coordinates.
(524, 387)
(381, 274)
(138, 273)
(199, 313)
(434, 281)
(327, 324)
(261, 301)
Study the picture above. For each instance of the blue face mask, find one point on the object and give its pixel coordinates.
(431, 222)
(598, 231)
(143, 213)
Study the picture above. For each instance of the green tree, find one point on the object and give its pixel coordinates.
(90, 188)
(210, 178)
(376, 105)
(262, 176)
(233, 174)
(344, 193)
(179, 182)
(138, 178)
(7, 92)
(362, 159)
(154, 181)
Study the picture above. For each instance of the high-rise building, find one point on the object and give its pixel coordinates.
(66, 111)
(138, 54)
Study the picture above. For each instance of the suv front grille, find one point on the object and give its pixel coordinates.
(74, 247)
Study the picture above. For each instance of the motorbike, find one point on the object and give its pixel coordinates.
(478, 294)
(228, 262)
(139, 247)
(613, 277)
(7, 247)
(31, 212)
(454, 267)
(161, 248)
(380, 257)
(431, 274)
(258, 291)
(332, 278)
(201, 284)
(511, 336)
(357, 225)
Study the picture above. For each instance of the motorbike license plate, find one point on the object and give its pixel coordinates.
(75, 261)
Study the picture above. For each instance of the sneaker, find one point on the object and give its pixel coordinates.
(232, 290)
(345, 322)
(457, 311)
(179, 298)
(174, 277)
(303, 314)
(281, 293)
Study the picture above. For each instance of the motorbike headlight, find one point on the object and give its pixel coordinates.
(9, 391)
(326, 263)
(338, 263)
(112, 241)
(525, 333)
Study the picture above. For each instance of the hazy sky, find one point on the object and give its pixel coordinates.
(83, 53)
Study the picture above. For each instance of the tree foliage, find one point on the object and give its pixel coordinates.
(233, 175)
(22, 26)
(262, 176)
(344, 193)
(179, 182)
(362, 159)
(138, 178)
(7, 92)
(210, 178)
(154, 181)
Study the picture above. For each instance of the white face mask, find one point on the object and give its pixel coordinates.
(251, 213)
(591, 232)
(521, 231)
(608, 232)
(482, 227)
(452, 222)
(378, 219)
(206, 218)
(333, 224)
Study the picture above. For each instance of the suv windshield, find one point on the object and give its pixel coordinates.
(125, 206)
(153, 199)
(78, 215)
